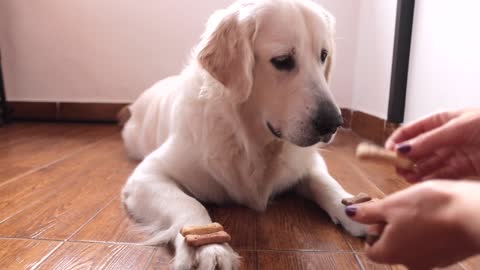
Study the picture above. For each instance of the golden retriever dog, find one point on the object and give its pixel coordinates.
(240, 124)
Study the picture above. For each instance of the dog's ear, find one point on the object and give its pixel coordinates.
(226, 52)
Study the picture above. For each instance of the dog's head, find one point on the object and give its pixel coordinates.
(276, 56)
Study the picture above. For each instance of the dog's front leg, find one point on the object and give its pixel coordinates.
(322, 188)
(154, 199)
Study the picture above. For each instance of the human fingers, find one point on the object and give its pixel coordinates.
(418, 127)
(367, 213)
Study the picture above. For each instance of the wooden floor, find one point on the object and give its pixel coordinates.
(60, 208)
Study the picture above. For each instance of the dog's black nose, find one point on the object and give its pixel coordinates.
(327, 120)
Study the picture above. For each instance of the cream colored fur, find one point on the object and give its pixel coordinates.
(203, 136)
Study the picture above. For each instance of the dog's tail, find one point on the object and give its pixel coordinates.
(123, 115)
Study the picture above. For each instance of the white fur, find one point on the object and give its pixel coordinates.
(202, 134)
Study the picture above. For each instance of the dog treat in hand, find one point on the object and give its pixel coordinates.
(205, 229)
(360, 198)
(196, 240)
(366, 151)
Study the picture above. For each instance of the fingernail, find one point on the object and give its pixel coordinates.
(404, 148)
(351, 211)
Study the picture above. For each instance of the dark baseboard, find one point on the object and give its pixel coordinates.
(365, 125)
(368, 126)
(65, 111)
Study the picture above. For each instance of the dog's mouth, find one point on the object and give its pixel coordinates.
(275, 131)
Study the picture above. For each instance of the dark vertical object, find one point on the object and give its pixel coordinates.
(3, 100)
(401, 59)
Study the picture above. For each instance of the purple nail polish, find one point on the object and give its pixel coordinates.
(351, 211)
(404, 148)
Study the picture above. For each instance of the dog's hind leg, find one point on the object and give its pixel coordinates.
(152, 198)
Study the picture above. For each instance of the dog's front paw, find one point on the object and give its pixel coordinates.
(339, 216)
(208, 257)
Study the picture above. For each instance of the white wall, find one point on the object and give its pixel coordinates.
(373, 64)
(347, 14)
(95, 51)
(111, 50)
(444, 64)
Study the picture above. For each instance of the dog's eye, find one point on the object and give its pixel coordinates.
(284, 62)
(324, 56)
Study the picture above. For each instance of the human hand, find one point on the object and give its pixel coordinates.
(432, 224)
(443, 145)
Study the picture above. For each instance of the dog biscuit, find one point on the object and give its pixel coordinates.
(205, 229)
(360, 198)
(366, 151)
(196, 240)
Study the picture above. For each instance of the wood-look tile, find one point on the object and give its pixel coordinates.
(98, 256)
(111, 225)
(248, 260)
(239, 222)
(349, 175)
(46, 144)
(32, 188)
(294, 223)
(24, 254)
(268, 260)
(161, 259)
(64, 211)
(382, 176)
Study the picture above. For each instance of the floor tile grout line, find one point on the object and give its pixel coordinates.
(150, 259)
(55, 161)
(91, 218)
(28, 239)
(346, 241)
(47, 256)
(359, 262)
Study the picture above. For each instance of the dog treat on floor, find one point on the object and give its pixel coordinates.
(366, 151)
(205, 229)
(196, 240)
(360, 198)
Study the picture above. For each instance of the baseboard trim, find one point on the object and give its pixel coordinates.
(65, 111)
(365, 125)
(368, 126)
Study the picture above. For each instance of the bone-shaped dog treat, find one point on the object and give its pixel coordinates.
(196, 240)
(366, 151)
(205, 229)
(360, 198)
